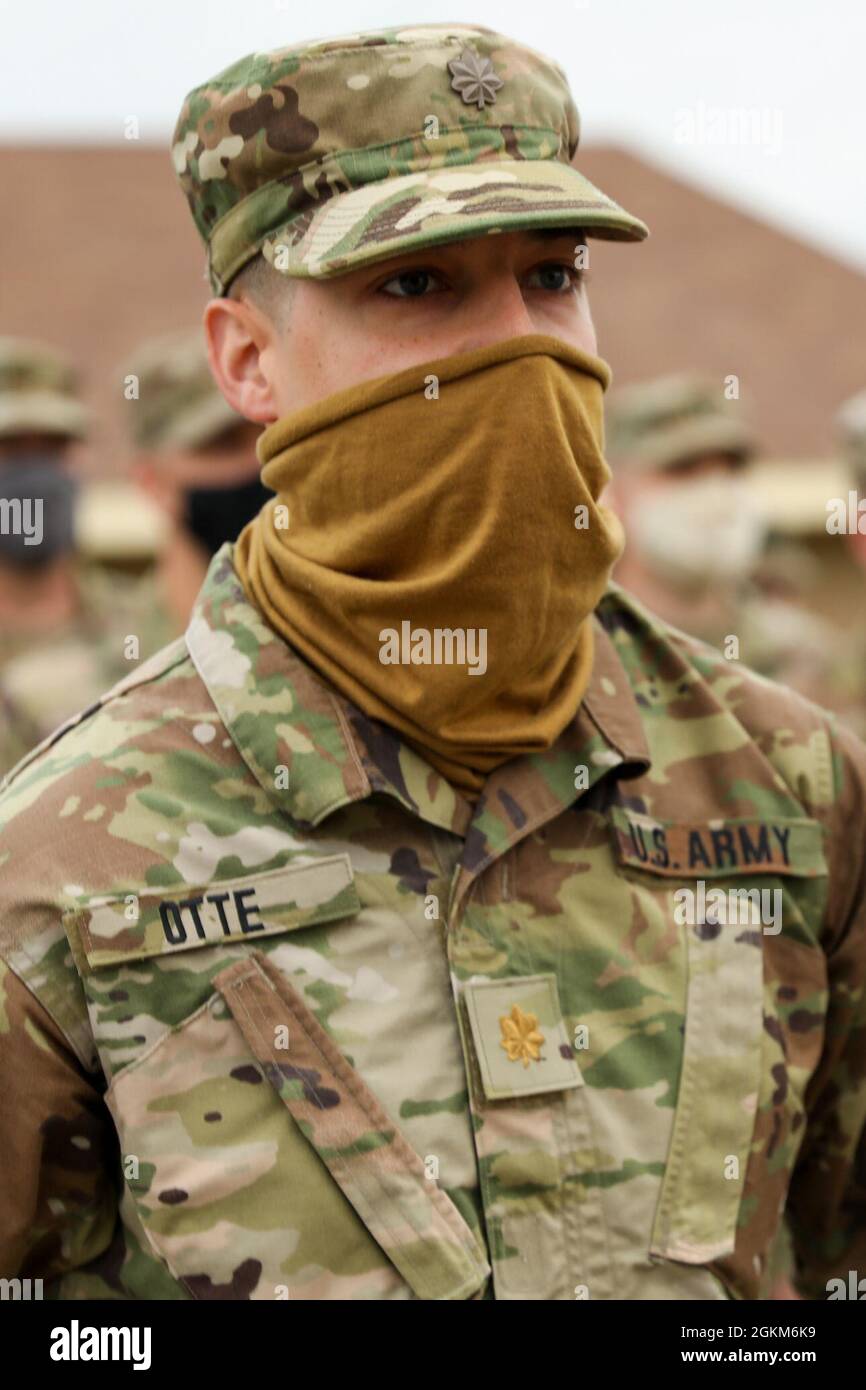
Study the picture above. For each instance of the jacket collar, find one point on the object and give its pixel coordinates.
(313, 751)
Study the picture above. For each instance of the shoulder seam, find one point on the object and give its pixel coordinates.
(134, 680)
(143, 676)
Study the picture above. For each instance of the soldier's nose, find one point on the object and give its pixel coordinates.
(493, 313)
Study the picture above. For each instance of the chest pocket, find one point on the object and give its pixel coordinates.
(747, 898)
(258, 1162)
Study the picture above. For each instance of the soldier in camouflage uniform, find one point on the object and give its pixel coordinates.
(849, 694)
(681, 451)
(454, 1004)
(61, 644)
(195, 457)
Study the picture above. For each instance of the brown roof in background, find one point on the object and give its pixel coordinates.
(98, 251)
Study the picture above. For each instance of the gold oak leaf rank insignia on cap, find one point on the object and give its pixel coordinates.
(473, 77)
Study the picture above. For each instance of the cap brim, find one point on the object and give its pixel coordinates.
(117, 520)
(42, 412)
(795, 493)
(396, 215)
(706, 434)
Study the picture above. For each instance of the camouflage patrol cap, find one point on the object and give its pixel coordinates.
(341, 152)
(851, 421)
(38, 392)
(178, 405)
(665, 421)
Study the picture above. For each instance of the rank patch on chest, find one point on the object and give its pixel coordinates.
(520, 1037)
(688, 849)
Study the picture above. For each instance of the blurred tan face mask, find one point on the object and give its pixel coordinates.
(445, 547)
(695, 535)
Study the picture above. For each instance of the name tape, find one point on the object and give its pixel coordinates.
(136, 926)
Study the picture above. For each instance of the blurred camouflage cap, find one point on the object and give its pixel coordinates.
(179, 405)
(38, 391)
(851, 421)
(336, 153)
(116, 521)
(665, 421)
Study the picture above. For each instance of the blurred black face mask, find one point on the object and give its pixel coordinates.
(218, 514)
(37, 508)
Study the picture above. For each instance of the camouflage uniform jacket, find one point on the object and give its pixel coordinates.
(286, 1016)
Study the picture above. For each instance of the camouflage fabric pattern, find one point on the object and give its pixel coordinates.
(785, 640)
(332, 154)
(668, 420)
(253, 987)
(178, 404)
(782, 638)
(38, 391)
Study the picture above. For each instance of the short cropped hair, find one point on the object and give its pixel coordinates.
(268, 289)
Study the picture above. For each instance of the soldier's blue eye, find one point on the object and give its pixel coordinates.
(555, 277)
(410, 284)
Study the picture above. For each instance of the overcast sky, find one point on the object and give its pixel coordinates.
(763, 102)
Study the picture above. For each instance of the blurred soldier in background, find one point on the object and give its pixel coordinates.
(196, 459)
(59, 648)
(852, 426)
(681, 454)
(852, 675)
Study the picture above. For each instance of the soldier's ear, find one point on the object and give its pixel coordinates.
(238, 336)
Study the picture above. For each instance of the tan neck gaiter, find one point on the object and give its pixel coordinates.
(436, 547)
